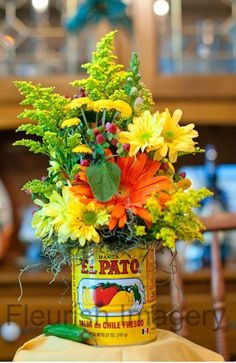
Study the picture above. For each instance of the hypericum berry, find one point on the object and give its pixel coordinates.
(80, 94)
(85, 162)
(100, 139)
(100, 122)
(165, 167)
(112, 128)
(96, 132)
(114, 142)
(126, 147)
(182, 174)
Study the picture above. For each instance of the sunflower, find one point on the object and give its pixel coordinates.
(138, 183)
(83, 220)
(144, 133)
(176, 138)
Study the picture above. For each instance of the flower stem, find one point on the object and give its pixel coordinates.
(104, 118)
(84, 118)
(115, 115)
(83, 135)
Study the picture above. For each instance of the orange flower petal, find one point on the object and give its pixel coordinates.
(83, 190)
(142, 213)
(137, 167)
(109, 155)
(112, 223)
(118, 211)
(125, 165)
(122, 221)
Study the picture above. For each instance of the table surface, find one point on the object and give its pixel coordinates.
(168, 347)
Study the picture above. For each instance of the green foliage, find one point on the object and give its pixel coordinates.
(140, 97)
(104, 180)
(106, 78)
(178, 220)
(35, 146)
(48, 112)
(39, 188)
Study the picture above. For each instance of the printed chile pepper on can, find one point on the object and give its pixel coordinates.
(114, 296)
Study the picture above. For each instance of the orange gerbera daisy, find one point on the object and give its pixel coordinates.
(138, 183)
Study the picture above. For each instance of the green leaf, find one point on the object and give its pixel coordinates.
(104, 180)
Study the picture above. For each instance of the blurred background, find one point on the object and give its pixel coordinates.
(187, 51)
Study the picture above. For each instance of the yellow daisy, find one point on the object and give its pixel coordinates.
(42, 224)
(123, 107)
(176, 138)
(56, 207)
(144, 133)
(82, 149)
(83, 220)
(51, 217)
(70, 122)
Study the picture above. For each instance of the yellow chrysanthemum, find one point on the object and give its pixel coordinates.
(70, 122)
(41, 224)
(83, 220)
(56, 207)
(79, 102)
(101, 105)
(144, 133)
(123, 107)
(176, 138)
(82, 149)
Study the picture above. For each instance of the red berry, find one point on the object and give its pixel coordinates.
(112, 128)
(182, 174)
(96, 132)
(126, 147)
(100, 122)
(100, 139)
(165, 167)
(114, 142)
(85, 162)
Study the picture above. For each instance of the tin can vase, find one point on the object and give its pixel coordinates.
(114, 296)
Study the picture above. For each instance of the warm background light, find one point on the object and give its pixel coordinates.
(40, 5)
(161, 7)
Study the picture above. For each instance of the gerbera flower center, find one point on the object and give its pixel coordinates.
(89, 217)
(169, 135)
(123, 192)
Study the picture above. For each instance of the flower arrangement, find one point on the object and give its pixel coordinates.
(111, 179)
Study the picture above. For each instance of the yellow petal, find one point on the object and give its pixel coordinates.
(82, 149)
(70, 122)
